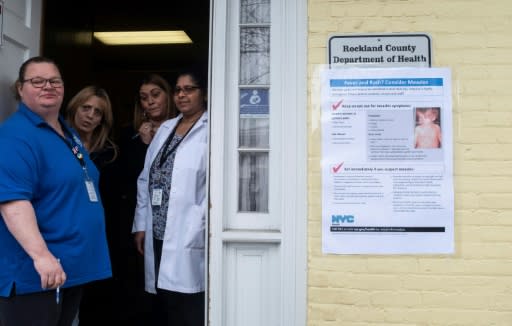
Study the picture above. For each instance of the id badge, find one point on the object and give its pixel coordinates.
(91, 191)
(156, 198)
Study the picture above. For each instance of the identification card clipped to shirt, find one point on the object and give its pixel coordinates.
(91, 191)
(156, 198)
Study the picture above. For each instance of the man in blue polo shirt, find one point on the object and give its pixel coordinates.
(52, 230)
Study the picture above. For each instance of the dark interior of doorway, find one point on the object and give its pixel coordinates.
(67, 38)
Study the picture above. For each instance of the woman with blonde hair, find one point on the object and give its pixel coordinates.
(89, 112)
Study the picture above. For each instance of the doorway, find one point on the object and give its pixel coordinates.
(257, 253)
(68, 39)
(83, 60)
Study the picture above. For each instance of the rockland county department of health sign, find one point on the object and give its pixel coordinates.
(379, 50)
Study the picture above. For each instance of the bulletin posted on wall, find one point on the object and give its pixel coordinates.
(387, 167)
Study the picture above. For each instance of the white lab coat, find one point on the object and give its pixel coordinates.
(183, 255)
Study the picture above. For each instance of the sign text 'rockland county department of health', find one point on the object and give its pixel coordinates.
(383, 50)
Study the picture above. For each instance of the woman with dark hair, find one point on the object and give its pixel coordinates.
(169, 222)
(153, 106)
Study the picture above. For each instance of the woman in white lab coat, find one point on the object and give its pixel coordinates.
(169, 222)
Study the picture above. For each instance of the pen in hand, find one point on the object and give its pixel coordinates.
(57, 291)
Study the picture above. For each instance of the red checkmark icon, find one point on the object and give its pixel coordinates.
(336, 168)
(336, 105)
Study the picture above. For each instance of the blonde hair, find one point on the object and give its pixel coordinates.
(170, 110)
(100, 136)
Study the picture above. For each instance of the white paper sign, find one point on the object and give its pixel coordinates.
(379, 50)
(387, 167)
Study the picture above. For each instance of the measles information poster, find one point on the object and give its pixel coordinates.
(387, 161)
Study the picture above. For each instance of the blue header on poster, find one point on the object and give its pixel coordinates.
(402, 82)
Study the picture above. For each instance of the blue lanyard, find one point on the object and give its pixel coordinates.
(73, 146)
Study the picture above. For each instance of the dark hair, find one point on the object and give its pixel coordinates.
(38, 59)
(23, 69)
(155, 79)
(197, 74)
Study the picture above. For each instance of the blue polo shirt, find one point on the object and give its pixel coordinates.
(37, 165)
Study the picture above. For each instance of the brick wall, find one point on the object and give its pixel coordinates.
(473, 286)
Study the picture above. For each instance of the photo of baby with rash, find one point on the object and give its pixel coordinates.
(427, 133)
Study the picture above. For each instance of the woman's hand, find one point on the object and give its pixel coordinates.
(51, 272)
(139, 241)
(146, 132)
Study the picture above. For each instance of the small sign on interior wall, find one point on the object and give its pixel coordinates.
(379, 50)
(1, 22)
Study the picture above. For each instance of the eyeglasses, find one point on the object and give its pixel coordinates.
(39, 82)
(185, 89)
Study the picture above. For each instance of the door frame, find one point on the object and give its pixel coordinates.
(292, 238)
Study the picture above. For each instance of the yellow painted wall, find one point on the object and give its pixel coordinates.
(473, 286)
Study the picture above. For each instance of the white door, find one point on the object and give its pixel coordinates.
(257, 220)
(20, 34)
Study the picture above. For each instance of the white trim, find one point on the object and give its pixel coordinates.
(289, 202)
(217, 100)
(294, 45)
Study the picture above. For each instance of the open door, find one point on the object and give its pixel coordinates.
(21, 31)
(258, 214)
